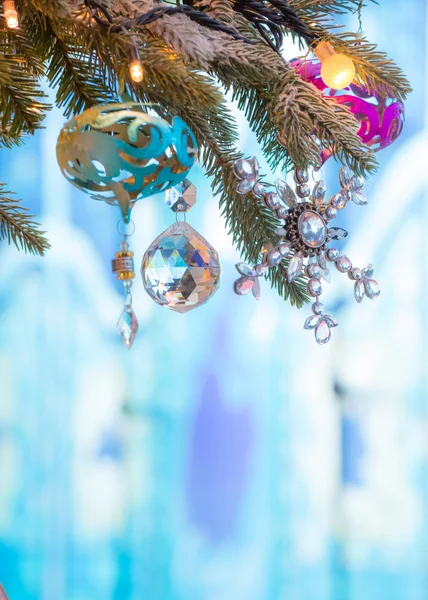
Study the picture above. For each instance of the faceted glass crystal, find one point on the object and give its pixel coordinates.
(181, 197)
(127, 326)
(181, 270)
(312, 229)
(295, 267)
(322, 332)
(286, 194)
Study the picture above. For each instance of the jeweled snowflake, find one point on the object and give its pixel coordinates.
(304, 238)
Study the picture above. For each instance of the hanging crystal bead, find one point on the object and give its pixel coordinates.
(180, 269)
(127, 325)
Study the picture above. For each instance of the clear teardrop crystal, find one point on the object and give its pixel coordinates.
(127, 326)
(256, 289)
(372, 288)
(345, 178)
(343, 264)
(286, 194)
(311, 322)
(338, 201)
(322, 332)
(359, 291)
(359, 198)
(326, 275)
(337, 233)
(255, 164)
(245, 186)
(367, 272)
(295, 267)
(331, 321)
(245, 269)
(321, 261)
(357, 183)
(243, 285)
(318, 193)
(243, 168)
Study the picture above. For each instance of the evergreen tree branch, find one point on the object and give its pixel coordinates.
(22, 105)
(17, 226)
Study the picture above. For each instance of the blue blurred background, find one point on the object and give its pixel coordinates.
(227, 456)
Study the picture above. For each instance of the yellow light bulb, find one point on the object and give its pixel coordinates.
(338, 71)
(136, 71)
(10, 14)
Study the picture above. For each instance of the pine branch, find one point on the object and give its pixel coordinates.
(17, 226)
(76, 73)
(22, 106)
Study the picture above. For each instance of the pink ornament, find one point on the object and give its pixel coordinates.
(382, 119)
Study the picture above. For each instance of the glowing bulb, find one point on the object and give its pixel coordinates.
(337, 70)
(10, 14)
(136, 71)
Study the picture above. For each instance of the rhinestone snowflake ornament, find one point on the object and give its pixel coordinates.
(304, 238)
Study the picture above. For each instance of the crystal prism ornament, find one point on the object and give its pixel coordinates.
(181, 270)
(127, 326)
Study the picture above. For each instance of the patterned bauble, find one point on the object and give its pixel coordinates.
(181, 270)
(381, 119)
(121, 153)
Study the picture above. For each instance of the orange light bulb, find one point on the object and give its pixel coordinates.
(337, 70)
(10, 14)
(136, 71)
